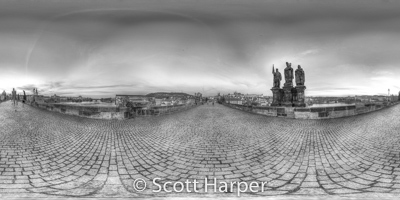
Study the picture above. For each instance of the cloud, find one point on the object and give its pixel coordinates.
(139, 47)
(308, 52)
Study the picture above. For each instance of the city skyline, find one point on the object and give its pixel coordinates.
(99, 49)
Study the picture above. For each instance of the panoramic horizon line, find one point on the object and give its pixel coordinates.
(108, 96)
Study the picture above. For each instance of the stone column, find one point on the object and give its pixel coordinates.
(276, 98)
(300, 96)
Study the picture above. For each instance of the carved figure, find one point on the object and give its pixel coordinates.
(300, 76)
(289, 74)
(277, 77)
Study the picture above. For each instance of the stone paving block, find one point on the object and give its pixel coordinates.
(310, 191)
(55, 154)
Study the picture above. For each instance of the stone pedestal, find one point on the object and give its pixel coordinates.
(287, 96)
(300, 99)
(276, 96)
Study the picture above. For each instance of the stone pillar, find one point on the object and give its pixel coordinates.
(276, 96)
(300, 102)
(287, 96)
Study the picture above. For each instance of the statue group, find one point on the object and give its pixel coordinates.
(289, 96)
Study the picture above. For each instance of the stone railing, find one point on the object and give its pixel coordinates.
(96, 112)
(107, 112)
(158, 110)
(312, 112)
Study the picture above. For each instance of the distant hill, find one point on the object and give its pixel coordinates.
(167, 94)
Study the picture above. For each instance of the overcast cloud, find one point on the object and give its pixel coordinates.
(102, 48)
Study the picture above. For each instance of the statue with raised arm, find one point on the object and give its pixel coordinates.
(300, 76)
(277, 77)
(289, 74)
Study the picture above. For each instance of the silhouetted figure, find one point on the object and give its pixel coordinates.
(14, 96)
(277, 77)
(24, 98)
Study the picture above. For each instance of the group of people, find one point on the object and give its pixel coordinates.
(16, 97)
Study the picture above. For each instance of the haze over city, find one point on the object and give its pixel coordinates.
(102, 48)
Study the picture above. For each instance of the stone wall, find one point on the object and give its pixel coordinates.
(312, 112)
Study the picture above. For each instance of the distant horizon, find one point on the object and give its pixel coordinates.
(94, 96)
(101, 48)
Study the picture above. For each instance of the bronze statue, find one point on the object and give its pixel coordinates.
(277, 77)
(300, 76)
(289, 74)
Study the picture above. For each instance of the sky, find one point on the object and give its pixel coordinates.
(101, 48)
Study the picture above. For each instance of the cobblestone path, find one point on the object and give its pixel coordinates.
(45, 153)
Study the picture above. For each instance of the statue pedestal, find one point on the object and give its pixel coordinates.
(287, 96)
(300, 100)
(277, 96)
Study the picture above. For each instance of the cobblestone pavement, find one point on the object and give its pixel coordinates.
(45, 153)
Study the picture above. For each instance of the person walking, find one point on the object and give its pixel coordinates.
(24, 97)
(14, 97)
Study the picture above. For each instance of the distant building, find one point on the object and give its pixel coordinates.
(63, 99)
(134, 100)
(158, 101)
(233, 100)
(167, 103)
(169, 95)
(107, 100)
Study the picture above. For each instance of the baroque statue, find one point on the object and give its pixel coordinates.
(277, 77)
(300, 76)
(289, 74)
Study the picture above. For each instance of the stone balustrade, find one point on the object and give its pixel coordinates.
(312, 112)
(108, 112)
